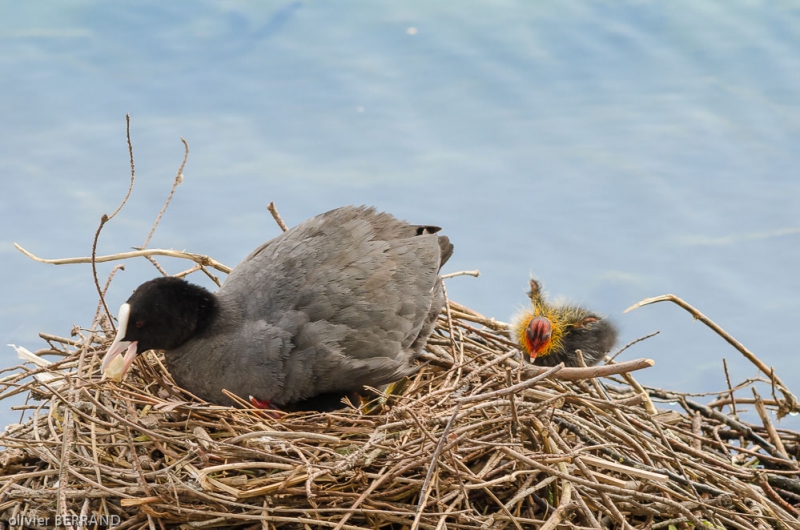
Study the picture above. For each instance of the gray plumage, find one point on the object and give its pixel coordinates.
(345, 299)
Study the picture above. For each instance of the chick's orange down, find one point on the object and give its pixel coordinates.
(550, 333)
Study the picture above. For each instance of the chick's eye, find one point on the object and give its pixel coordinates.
(586, 322)
(139, 324)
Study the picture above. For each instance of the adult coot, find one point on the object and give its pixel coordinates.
(345, 299)
(550, 334)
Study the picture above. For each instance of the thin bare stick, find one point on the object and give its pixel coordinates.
(158, 267)
(474, 316)
(474, 273)
(721, 402)
(103, 220)
(133, 171)
(621, 468)
(648, 404)
(423, 494)
(64, 468)
(459, 359)
(631, 343)
(791, 401)
(187, 272)
(106, 218)
(275, 215)
(764, 415)
(566, 486)
(101, 319)
(197, 258)
(210, 276)
(575, 374)
(176, 182)
(730, 388)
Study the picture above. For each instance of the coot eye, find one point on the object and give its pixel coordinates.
(139, 324)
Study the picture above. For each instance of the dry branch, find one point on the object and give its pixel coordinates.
(789, 405)
(197, 258)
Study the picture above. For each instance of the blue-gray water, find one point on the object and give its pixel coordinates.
(616, 150)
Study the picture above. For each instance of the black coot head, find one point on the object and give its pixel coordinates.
(166, 312)
(161, 314)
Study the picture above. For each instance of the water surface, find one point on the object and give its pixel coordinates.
(615, 150)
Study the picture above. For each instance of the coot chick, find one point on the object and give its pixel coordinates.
(345, 299)
(550, 334)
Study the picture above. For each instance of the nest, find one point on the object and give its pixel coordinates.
(477, 439)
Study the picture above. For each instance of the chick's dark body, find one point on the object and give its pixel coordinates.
(594, 341)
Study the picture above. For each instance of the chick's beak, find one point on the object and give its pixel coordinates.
(538, 335)
(113, 366)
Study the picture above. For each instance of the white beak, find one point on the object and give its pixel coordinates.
(111, 363)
